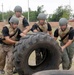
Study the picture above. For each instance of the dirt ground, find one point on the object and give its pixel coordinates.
(53, 24)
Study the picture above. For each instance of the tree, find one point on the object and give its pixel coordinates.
(61, 12)
(33, 14)
(0, 16)
(40, 10)
(8, 14)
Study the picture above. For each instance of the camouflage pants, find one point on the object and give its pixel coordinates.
(40, 53)
(6, 58)
(67, 56)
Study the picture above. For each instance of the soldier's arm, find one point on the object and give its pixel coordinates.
(49, 29)
(26, 26)
(67, 44)
(71, 39)
(21, 34)
(34, 28)
(7, 39)
(50, 32)
(56, 34)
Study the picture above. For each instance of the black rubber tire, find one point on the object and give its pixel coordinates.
(55, 72)
(30, 43)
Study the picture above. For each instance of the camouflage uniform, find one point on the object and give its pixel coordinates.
(6, 57)
(67, 56)
(6, 53)
(21, 27)
(68, 52)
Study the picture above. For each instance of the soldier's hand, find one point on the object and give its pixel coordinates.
(62, 47)
(22, 35)
(16, 42)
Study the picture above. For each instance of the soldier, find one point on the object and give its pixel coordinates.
(41, 26)
(10, 36)
(23, 24)
(66, 33)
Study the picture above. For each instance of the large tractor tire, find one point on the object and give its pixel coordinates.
(31, 43)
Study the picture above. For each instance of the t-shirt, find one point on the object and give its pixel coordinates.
(35, 26)
(25, 22)
(5, 32)
(71, 34)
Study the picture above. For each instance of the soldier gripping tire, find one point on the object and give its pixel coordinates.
(30, 43)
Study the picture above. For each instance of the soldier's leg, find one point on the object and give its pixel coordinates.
(65, 60)
(38, 56)
(70, 53)
(43, 53)
(9, 63)
(2, 57)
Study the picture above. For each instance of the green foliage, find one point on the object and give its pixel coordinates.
(6, 15)
(33, 14)
(25, 14)
(60, 12)
(0, 16)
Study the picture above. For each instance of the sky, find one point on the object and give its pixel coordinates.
(49, 5)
